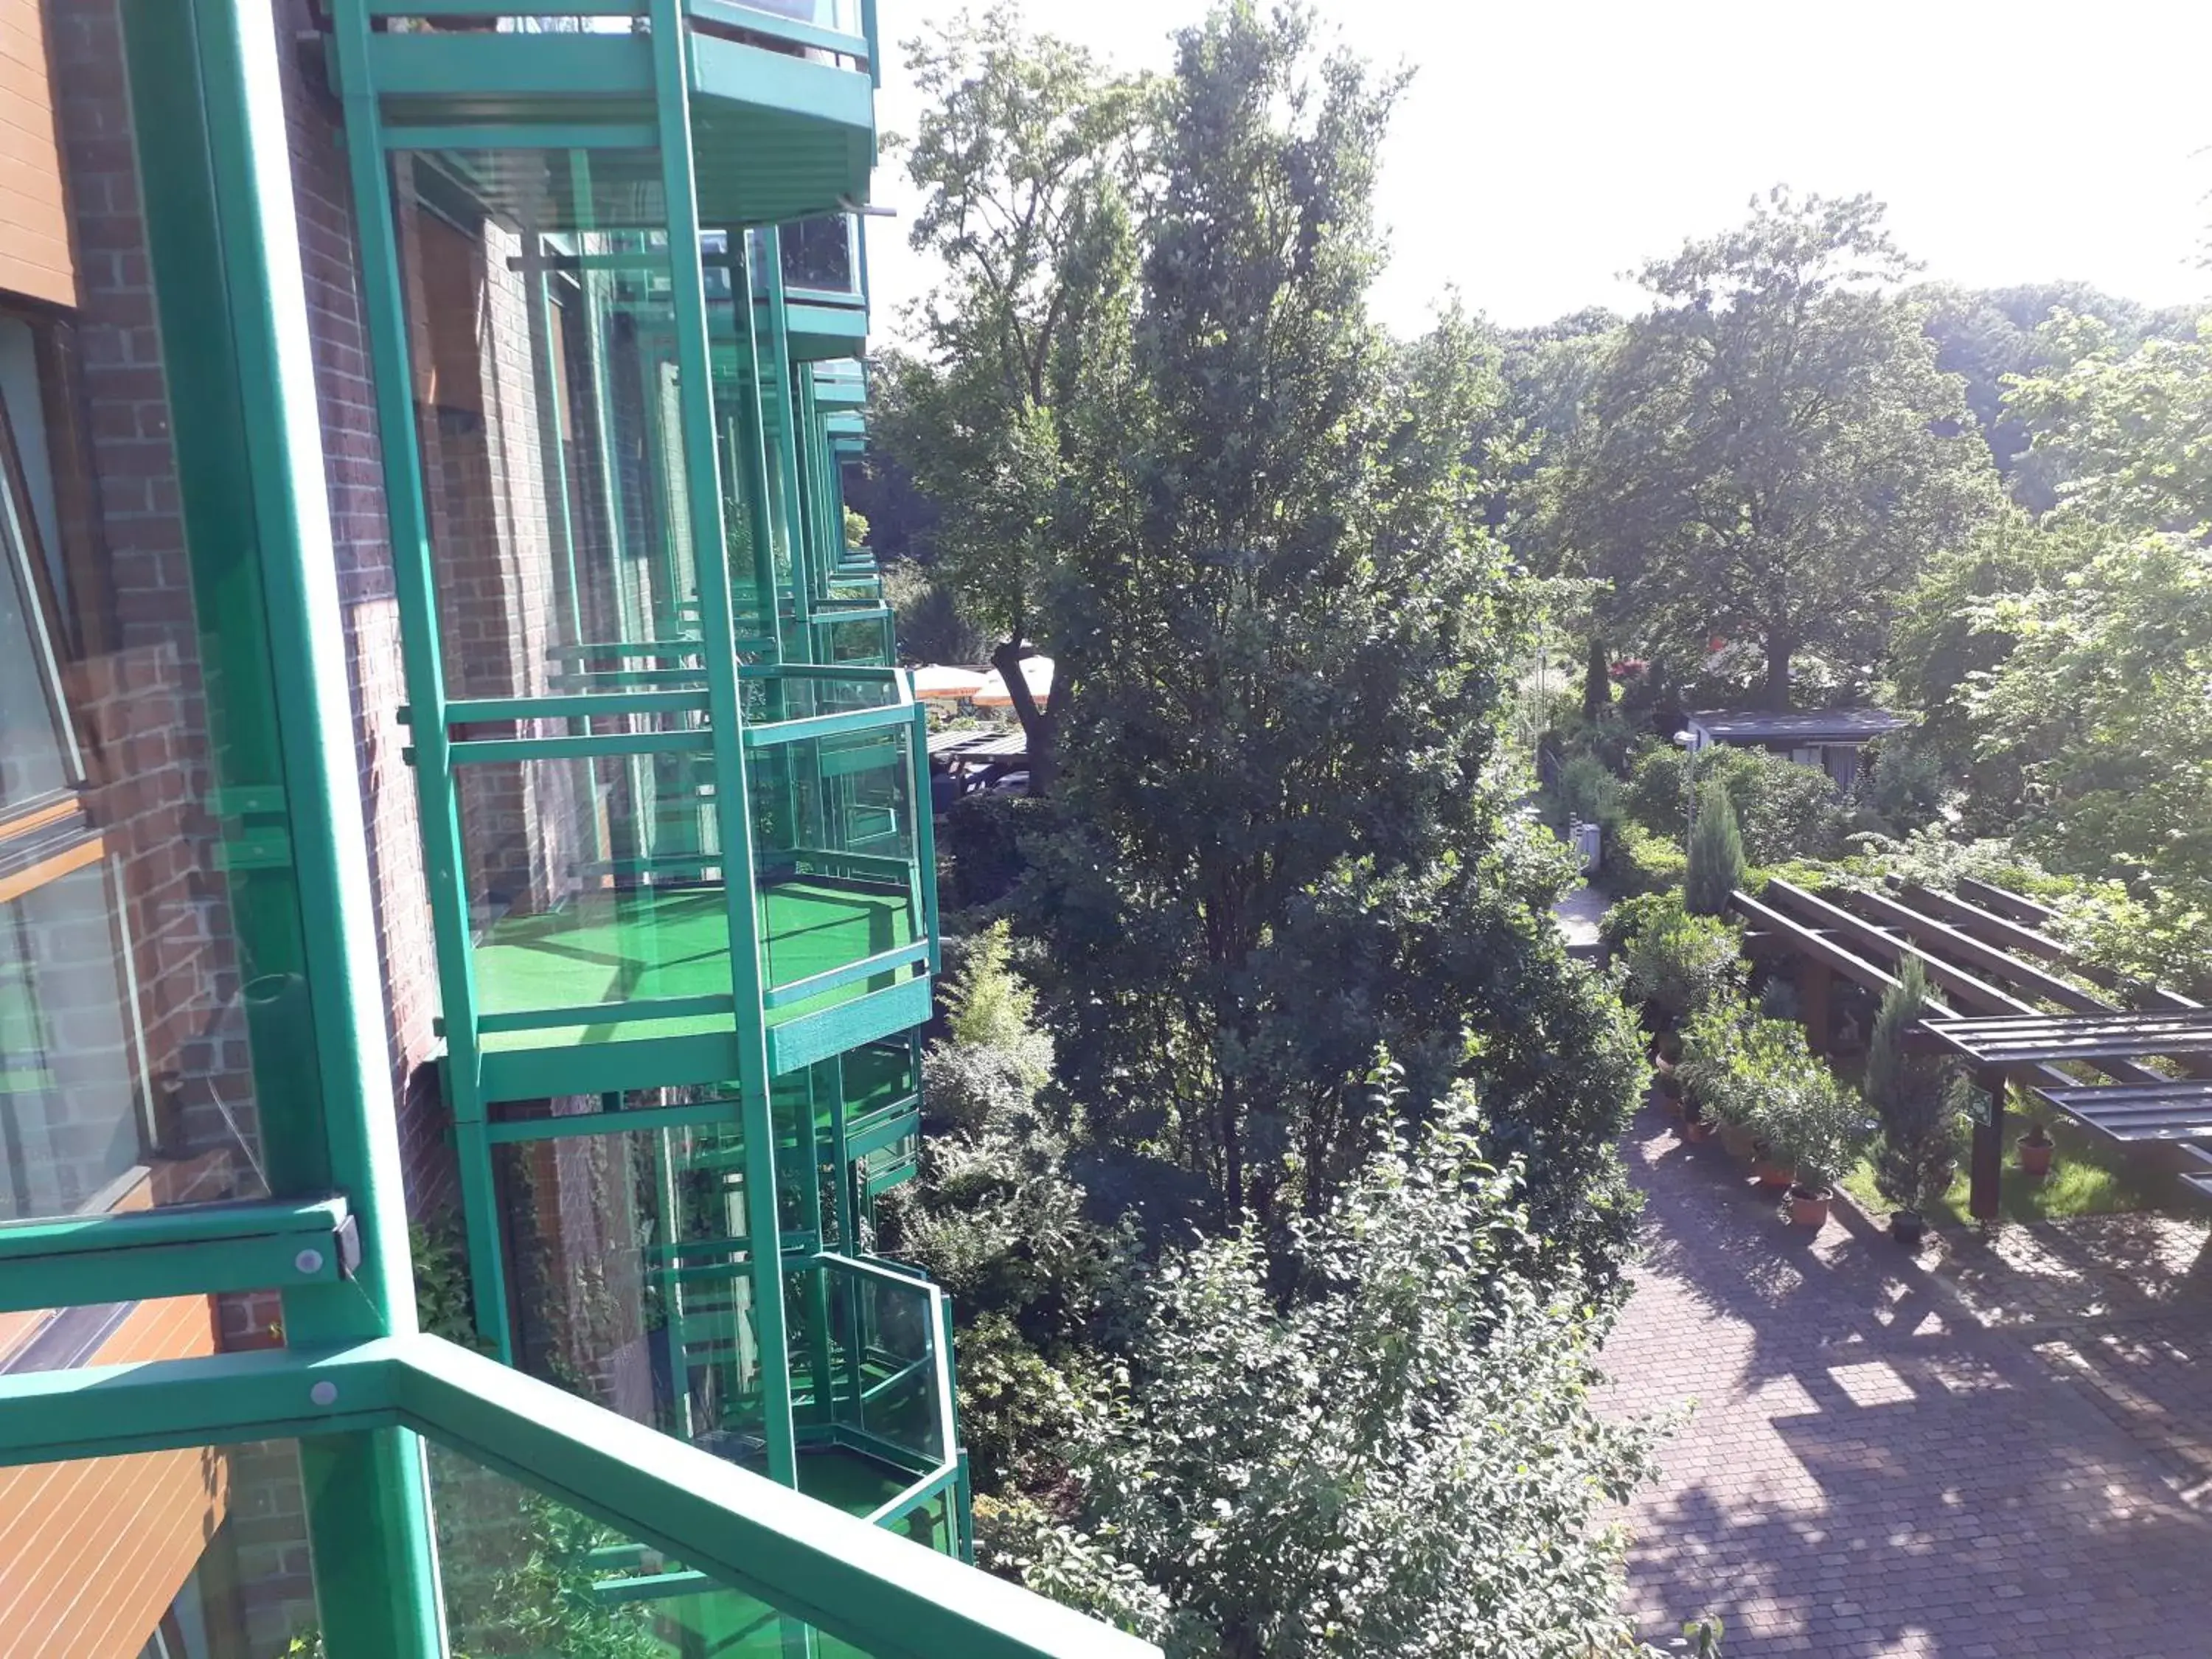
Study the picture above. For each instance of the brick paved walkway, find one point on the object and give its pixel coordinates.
(1870, 1470)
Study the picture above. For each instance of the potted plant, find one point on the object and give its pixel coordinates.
(1916, 1099)
(1820, 1126)
(1711, 1071)
(1677, 963)
(2035, 1146)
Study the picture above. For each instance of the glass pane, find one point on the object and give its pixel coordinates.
(835, 830)
(595, 881)
(632, 1282)
(537, 284)
(526, 1577)
(817, 253)
(135, 1000)
(36, 758)
(200, 1554)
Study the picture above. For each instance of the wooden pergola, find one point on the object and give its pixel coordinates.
(1997, 978)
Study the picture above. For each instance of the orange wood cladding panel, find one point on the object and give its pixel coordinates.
(93, 1553)
(36, 259)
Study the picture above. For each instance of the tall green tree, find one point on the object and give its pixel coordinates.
(2101, 704)
(1773, 450)
(1026, 156)
(2130, 430)
(1286, 842)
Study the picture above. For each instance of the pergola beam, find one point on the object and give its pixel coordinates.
(2024, 976)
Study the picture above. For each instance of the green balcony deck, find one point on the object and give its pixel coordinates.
(782, 108)
(650, 944)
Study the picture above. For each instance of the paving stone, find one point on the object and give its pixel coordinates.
(1884, 1459)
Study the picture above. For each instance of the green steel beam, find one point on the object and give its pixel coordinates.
(610, 135)
(106, 1411)
(365, 1508)
(925, 829)
(696, 1115)
(485, 751)
(883, 962)
(582, 705)
(196, 1250)
(733, 792)
(415, 588)
(633, 1012)
(824, 725)
(864, 1019)
(891, 1597)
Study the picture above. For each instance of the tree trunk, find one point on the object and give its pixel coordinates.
(1597, 682)
(1777, 674)
(1040, 727)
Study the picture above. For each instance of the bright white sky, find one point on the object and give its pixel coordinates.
(1546, 146)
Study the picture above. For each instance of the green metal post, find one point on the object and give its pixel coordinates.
(773, 357)
(732, 794)
(552, 420)
(415, 585)
(368, 1517)
(748, 437)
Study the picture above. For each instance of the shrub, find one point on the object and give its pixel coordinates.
(1677, 962)
(1901, 785)
(1914, 1097)
(1715, 866)
(985, 834)
(1757, 1072)
(1784, 809)
(1629, 916)
(1401, 1459)
(1588, 791)
(1636, 861)
(1813, 1121)
(1712, 1046)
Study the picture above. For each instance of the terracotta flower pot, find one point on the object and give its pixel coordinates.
(1738, 1140)
(1772, 1176)
(1698, 1129)
(2035, 1157)
(1808, 1208)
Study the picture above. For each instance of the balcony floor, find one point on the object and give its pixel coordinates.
(651, 942)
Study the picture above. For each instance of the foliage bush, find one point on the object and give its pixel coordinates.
(1901, 786)
(1811, 1120)
(1627, 917)
(985, 834)
(1785, 810)
(1754, 1071)
(1401, 1458)
(1588, 790)
(1915, 1097)
(1638, 862)
(1677, 963)
(1714, 867)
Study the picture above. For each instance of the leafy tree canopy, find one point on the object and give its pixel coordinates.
(1286, 842)
(1774, 451)
(1403, 1460)
(1026, 156)
(2130, 430)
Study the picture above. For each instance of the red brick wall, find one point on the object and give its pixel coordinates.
(353, 464)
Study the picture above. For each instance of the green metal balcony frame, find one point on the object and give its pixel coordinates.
(191, 1250)
(858, 1582)
(357, 1383)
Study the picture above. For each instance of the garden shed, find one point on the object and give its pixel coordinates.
(1830, 738)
